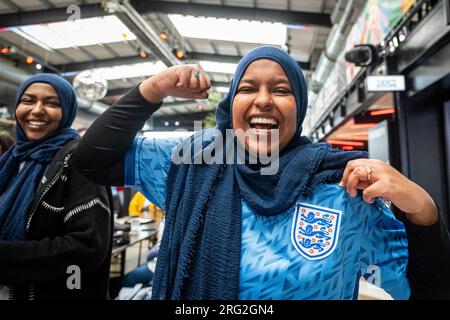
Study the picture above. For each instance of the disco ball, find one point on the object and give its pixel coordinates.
(90, 85)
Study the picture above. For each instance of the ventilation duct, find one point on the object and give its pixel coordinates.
(343, 17)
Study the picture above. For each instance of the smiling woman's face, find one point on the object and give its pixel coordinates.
(264, 101)
(39, 113)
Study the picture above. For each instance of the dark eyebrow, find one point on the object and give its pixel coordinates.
(249, 81)
(28, 95)
(276, 81)
(281, 80)
(51, 97)
(33, 96)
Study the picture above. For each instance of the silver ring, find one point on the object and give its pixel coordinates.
(196, 75)
(369, 173)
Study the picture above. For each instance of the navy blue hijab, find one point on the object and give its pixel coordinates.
(18, 188)
(200, 252)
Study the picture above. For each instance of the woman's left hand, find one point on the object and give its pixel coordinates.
(378, 179)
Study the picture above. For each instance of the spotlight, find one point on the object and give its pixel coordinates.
(143, 54)
(166, 123)
(38, 66)
(200, 107)
(180, 54)
(29, 60)
(5, 50)
(177, 123)
(163, 36)
(362, 55)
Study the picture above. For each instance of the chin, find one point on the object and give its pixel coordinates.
(261, 150)
(35, 137)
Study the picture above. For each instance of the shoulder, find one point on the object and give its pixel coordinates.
(61, 160)
(64, 155)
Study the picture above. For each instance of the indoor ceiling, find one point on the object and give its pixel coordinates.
(110, 41)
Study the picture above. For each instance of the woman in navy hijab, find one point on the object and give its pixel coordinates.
(240, 230)
(53, 221)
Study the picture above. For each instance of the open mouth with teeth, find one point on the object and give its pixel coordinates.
(36, 123)
(264, 123)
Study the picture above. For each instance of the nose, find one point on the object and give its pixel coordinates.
(38, 108)
(263, 99)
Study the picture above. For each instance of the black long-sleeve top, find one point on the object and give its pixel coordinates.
(70, 226)
(100, 156)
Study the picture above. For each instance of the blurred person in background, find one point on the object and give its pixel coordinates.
(143, 208)
(6, 141)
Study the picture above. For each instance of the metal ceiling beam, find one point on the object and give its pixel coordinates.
(258, 14)
(95, 10)
(21, 18)
(149, 39)
(229, 58)
(111, 62)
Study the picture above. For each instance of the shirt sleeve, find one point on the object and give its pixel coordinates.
(147, 166)
(383, 253)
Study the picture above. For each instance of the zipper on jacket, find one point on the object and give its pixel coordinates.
(49, 186)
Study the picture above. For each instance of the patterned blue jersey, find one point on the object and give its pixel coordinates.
(316, 250)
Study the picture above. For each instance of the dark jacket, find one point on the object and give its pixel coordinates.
(69, 232)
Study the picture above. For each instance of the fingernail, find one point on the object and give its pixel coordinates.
(341, 184)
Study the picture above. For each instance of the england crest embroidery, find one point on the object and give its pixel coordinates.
(315, 230)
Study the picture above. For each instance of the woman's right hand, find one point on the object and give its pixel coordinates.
(177, 81)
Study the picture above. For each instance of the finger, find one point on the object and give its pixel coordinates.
(351, 165)
(358, 175)
(201, 95)
(184, 78)
(205, 84)
(195, 80)
(373, 191)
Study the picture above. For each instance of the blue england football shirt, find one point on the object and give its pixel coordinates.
(316, 250)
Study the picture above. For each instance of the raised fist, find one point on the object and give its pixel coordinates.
(183, 81)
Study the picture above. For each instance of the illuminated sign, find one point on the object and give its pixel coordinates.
(385, 83)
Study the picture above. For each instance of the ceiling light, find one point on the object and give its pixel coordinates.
(230, 29)
(163, 36)
(143, 54)
(345, 142)
(382, 112)
(81, 32)
(144, 69)
(4, 50)
(180, 54)
(220, 67)
(363, 125)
